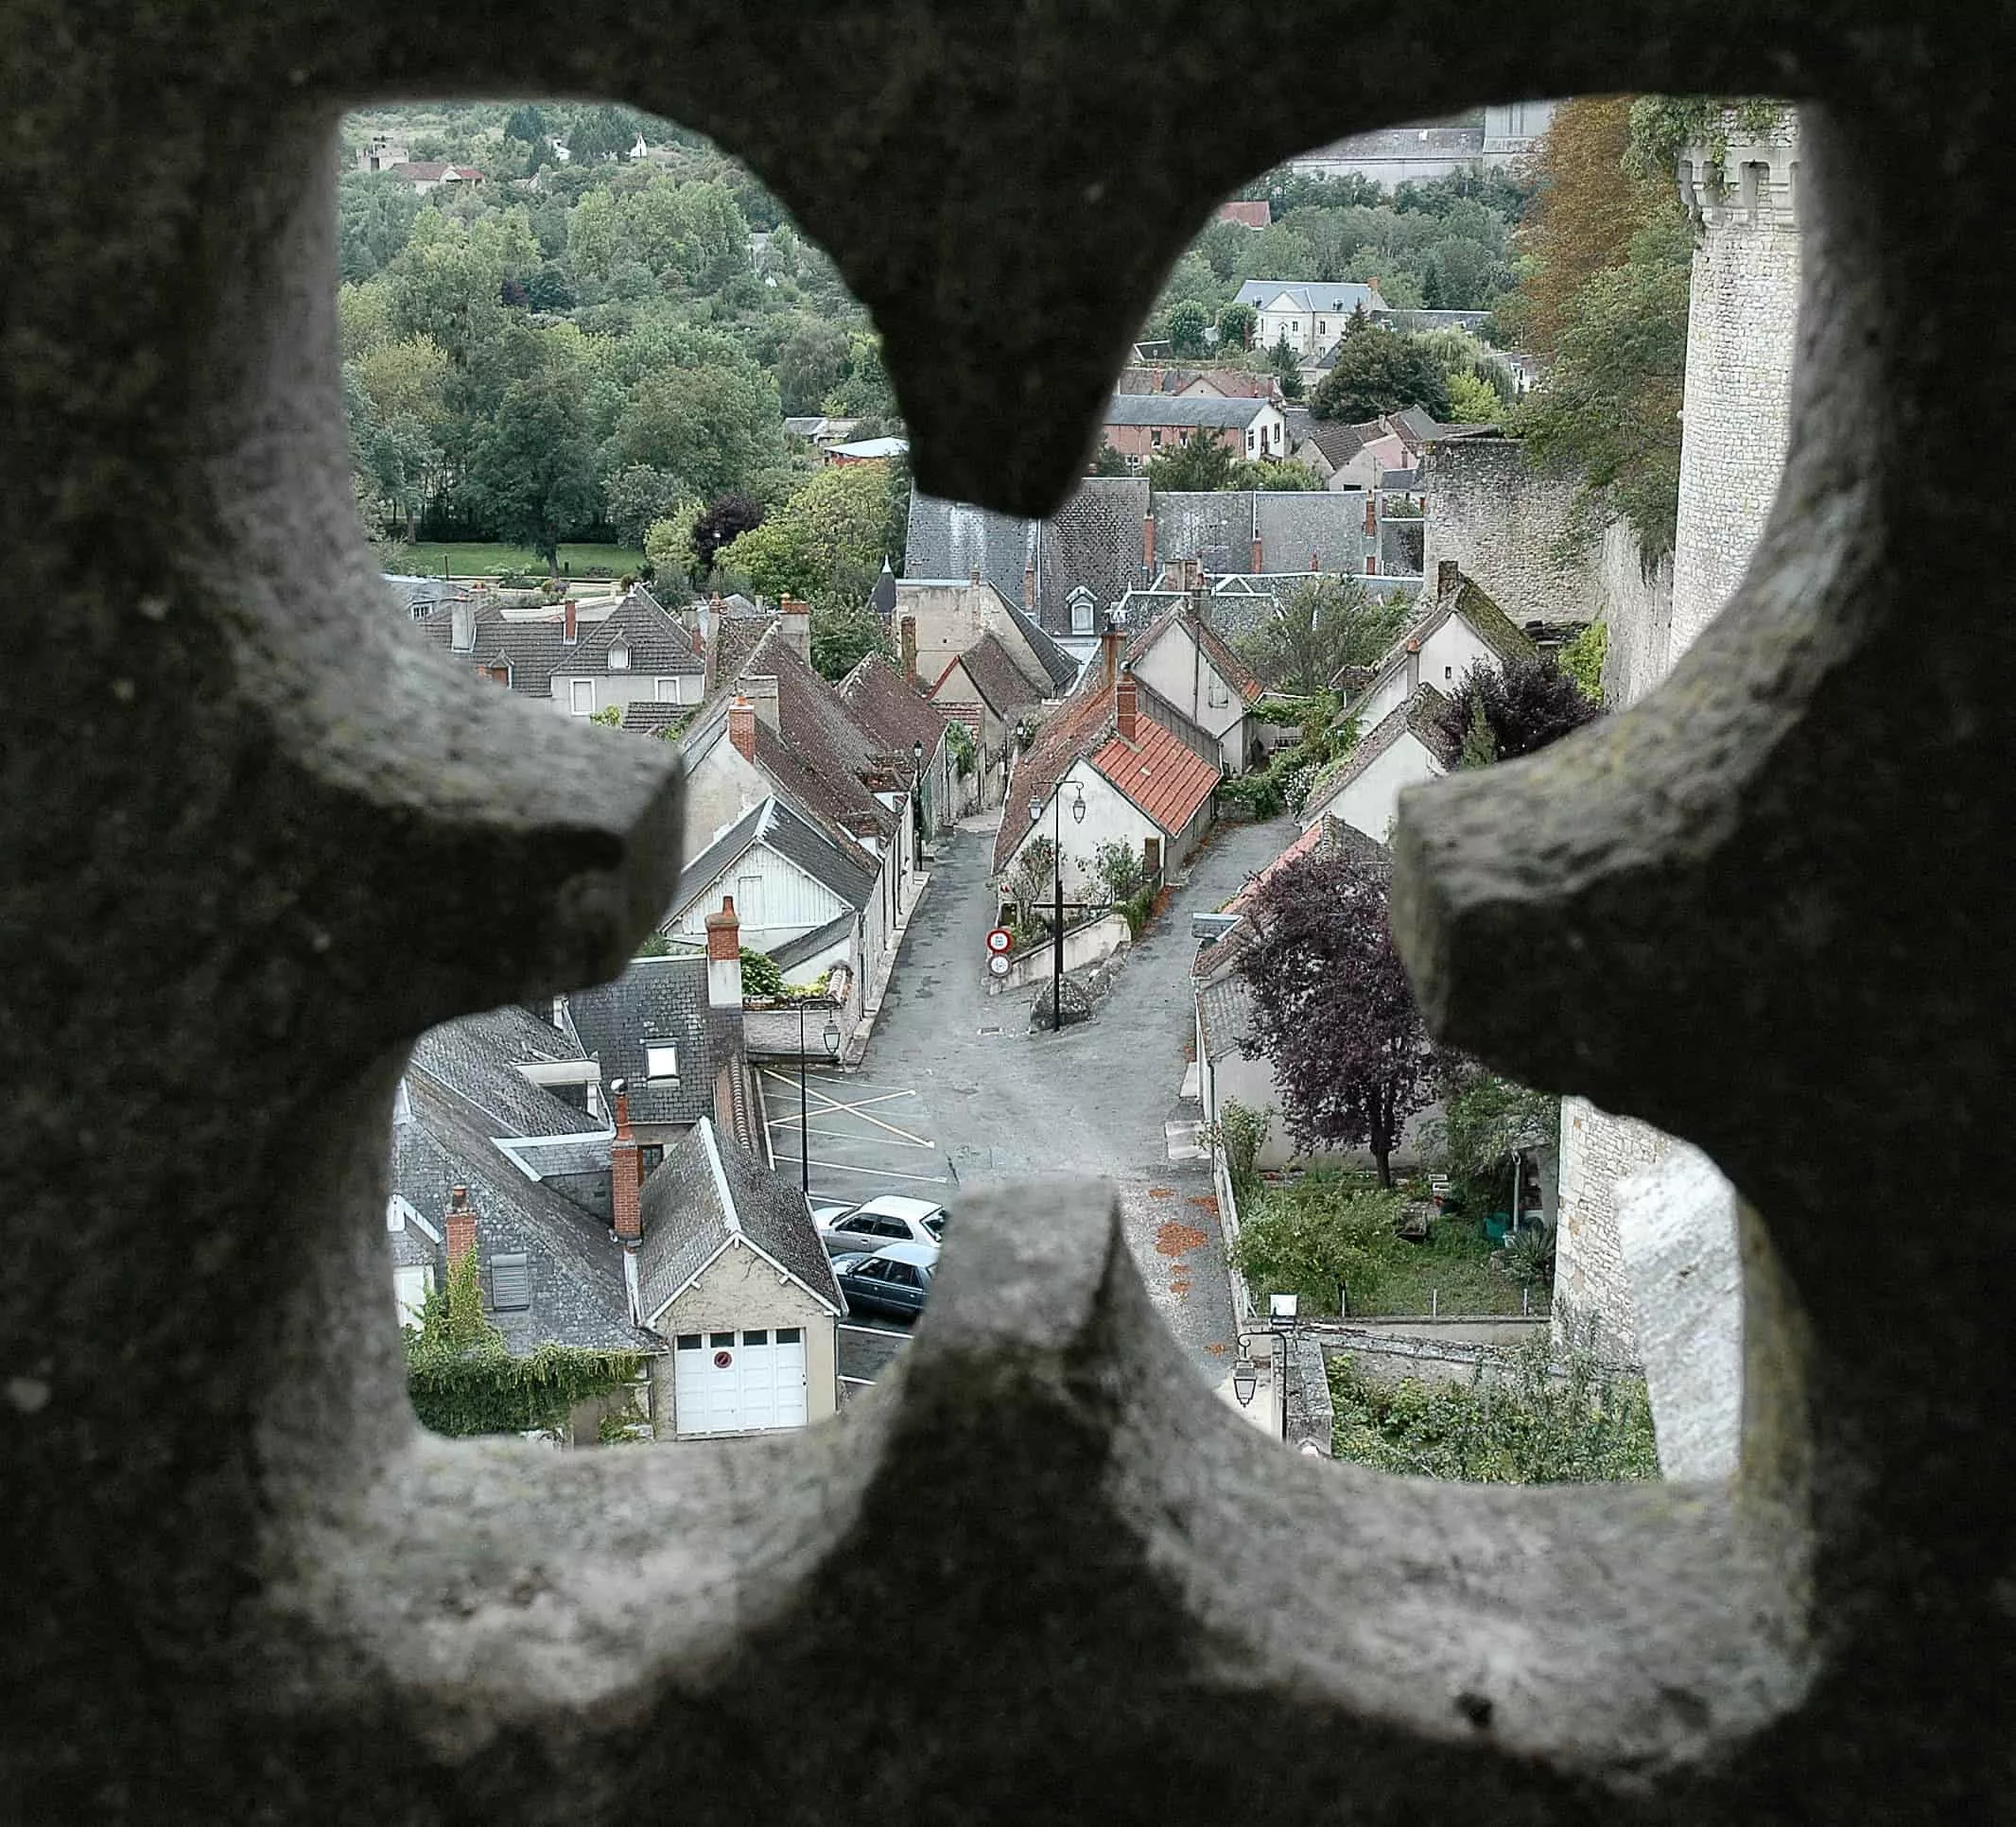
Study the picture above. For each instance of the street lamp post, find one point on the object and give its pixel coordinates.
(1036, 812)
(831, 1037)
(1245, 1373)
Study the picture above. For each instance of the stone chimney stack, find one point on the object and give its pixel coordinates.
(743, 727)
(461, 1226)
(1028, 588)
(795, 624)
(974, 578)
(1449, 576)
(1110, 645)
(1371, 514)
(1126, 705)
(461, 625)
(724, 957)
(626, 1175)
(1260, 555)
(761, 691)
(1148, 544)
(908, 648)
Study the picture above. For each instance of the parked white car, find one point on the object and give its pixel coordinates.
(891, 1219)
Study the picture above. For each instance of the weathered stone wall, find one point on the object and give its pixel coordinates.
(1742, 335)
(1507, 525)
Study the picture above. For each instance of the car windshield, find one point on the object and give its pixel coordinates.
(935, 1224)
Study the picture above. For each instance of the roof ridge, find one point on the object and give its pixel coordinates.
(729, 1215)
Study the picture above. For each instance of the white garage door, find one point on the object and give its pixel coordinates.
(737, 1383)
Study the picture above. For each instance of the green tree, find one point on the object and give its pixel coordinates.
(1471, 402)
(1287, 367)
(1316, 1236)
(408, 377)
(531, 472)
(1531, 1420)
(374, 216)
(1199, 463)
(845, 633)
(1317, 629)
(1379, 370)
(1187, 323)
(595, 237)
(636, 498)
(1235, 324)
(824, 540)
(1479, 747)
(714, 426)
(1582, 660)
(813, 362)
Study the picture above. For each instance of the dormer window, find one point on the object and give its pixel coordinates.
(1081, 604)
(620, 658)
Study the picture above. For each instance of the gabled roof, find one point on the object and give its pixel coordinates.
(730, 642)
(1293, 525)
(892, 711)
(725, 849)
(1202, 411)
(1167, 782)
(1338, 442)
(710, 1194)
(1332, 298)
(575, 1268)
(791, 836)
(647, 717)
(995, 675)
(657, 641)
(1416, 717)
(1068, 734)
(818, 723)
(1224, 1012)
(476, 1057)
(659, 999)
(1465, 599)
(1218, 657)
(837, 931)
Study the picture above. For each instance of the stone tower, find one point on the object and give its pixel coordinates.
(1635, 1222)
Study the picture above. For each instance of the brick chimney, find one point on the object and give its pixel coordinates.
(570, 621)
(1148, 544)
(908, 640)
(1371, 514)
(1316, 561)
(460, 1224)
(724, 957)
(795, 625)
(1029, 587)
(626, 1176)
(1110, 645)
(1259, 556)
(743, 727)
(1126, 705)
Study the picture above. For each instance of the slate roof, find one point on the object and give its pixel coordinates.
(892, 711)
(710, 1191)
(1225, 663)
(475, 1057)
(1417, 715)
(1094, 539)
(1168, 782)
(535, 648)
(657, 641)
(576, 1267)
(882, 600)
(1338, 442)
(996, 676)
(837, 931)
(730, 642)
(1487, 621)
(1224, 1010)
(795, 839)
(1199, 411)
(1329, 298)
(659, 999)
(1301, 525)
(645, 717)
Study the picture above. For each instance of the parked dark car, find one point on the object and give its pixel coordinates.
(894, 1279)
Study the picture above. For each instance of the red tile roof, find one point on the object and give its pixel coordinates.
(1257, 214)
(1168, 782)
(1067, 735)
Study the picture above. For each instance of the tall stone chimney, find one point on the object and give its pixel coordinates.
(460, 1224)
(461, 625)
(761, 691)
(626, 1176)
(795, 625)
(1126, 705)
(724, 957)
(1371, 515)
(1109, 644)
(1148, 544)
(570, 621)
(909, 647)
(1449, 575)
(743, 727)
(1028, 588)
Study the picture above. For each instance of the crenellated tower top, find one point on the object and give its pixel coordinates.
(1746, 176)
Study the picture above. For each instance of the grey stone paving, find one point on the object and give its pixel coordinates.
(1003, 1104)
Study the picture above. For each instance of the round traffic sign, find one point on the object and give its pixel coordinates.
(999, 963)
(724, 1359)
(1001, 940)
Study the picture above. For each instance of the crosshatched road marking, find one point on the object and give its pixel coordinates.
(850, 1122)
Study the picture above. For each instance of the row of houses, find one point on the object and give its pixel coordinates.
(606, 1160)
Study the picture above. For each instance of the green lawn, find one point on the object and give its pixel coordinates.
(1454, 1265)
(476, 560)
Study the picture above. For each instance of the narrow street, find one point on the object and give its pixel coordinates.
(955, 1087)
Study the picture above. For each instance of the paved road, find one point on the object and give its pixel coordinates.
(1002, 1103)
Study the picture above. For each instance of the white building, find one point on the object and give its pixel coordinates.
(1310, 315)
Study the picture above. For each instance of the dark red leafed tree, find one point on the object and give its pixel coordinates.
(1333, 1013)
(1523, 706)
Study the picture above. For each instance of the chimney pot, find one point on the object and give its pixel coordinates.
(724, 957)
(743, 727)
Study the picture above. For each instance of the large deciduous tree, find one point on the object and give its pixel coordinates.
(1332, 1010)
(1514, 710)
(1379, 370)
(1318, 627)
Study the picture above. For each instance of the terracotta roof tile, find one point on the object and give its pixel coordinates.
(1168, 782)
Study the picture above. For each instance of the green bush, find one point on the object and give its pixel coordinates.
(760, 975)
(1138, 911)
(1313, 1236)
